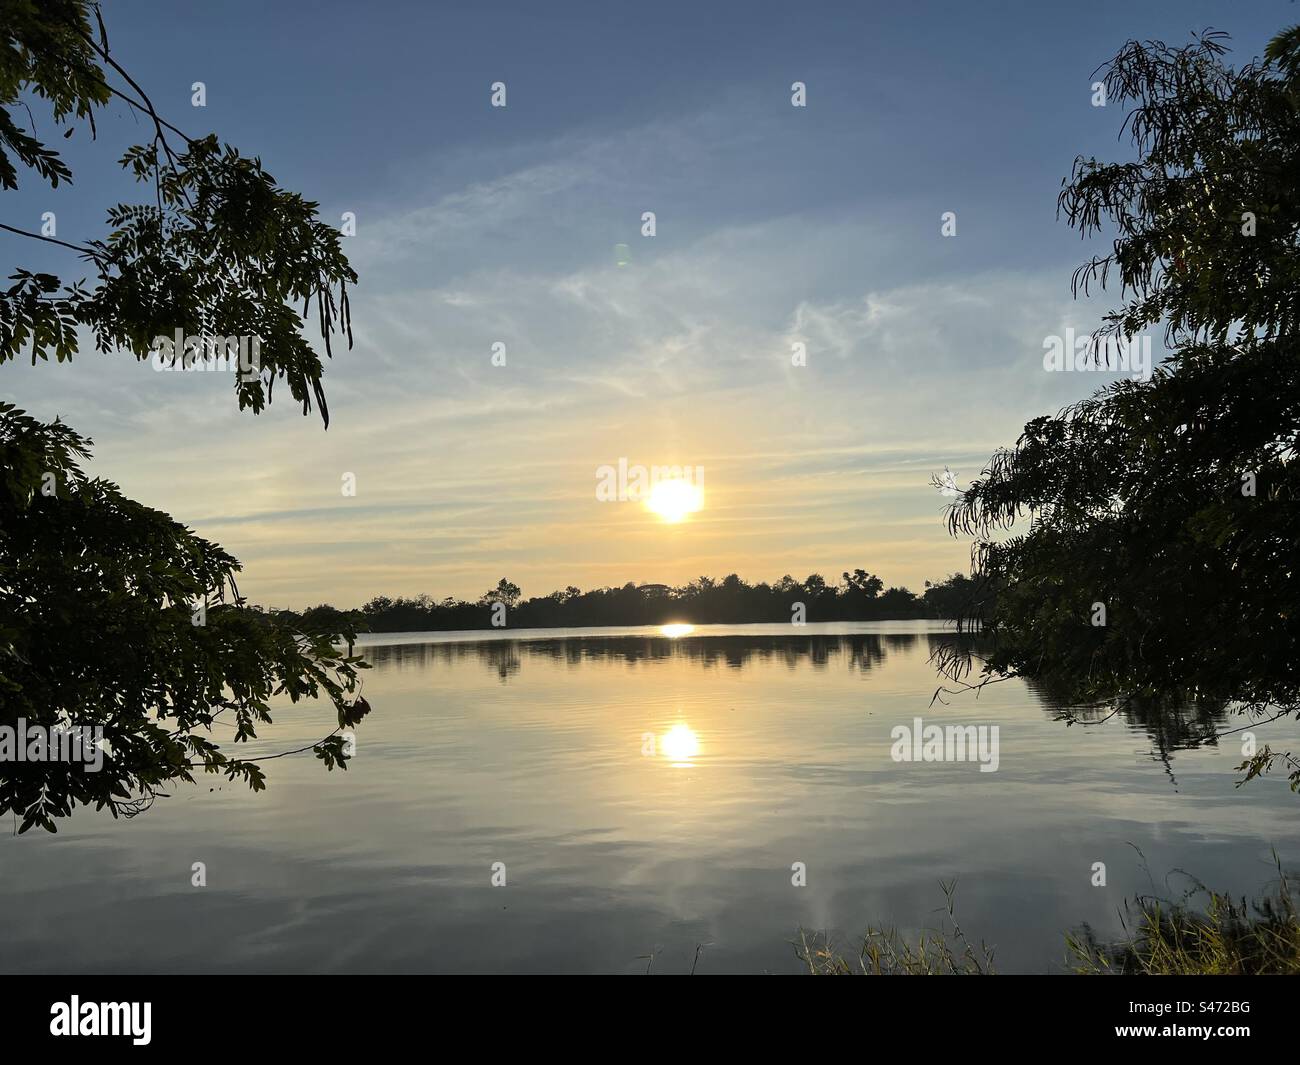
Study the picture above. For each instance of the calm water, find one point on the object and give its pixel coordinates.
(767, 749)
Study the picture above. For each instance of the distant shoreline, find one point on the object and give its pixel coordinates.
(812, 628)
(858, 597)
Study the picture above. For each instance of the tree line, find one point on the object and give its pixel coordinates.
(858, 596)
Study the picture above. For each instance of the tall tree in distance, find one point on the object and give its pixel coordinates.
(1157, 564)
(114, 617)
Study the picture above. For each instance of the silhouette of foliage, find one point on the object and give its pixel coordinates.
(1172, 502)
(704, 601)
(95, 635)
(97, 591)
(222, 251)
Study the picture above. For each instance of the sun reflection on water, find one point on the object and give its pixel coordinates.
(680, 744)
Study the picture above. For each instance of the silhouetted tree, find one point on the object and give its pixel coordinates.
(864, 583)
(1161, 553)
(505, 592)
(947, 598)
(113, 616)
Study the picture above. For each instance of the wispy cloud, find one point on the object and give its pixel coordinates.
(466, 470)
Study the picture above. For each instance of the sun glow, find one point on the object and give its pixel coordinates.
(675, 629)
(673, 500)
(680, 744)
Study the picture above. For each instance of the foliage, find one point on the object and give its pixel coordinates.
(885, 951)
(1225, 937)
(97, 593)
(1222, 937)
(222, 251)
(95, 635)
(702, 601)
(1171, 502)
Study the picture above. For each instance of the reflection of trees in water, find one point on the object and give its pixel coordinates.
(1170, 724)
(859, 652)
(1170, 727)
(501, 656)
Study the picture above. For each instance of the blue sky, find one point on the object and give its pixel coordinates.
(476, 225)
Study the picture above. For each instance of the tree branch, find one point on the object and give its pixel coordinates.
(83, 248)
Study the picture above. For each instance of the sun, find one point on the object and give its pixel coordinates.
(673, 500)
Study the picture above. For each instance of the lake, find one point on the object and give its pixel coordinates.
(648, 794)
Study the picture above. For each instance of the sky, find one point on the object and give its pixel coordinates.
(476, 225)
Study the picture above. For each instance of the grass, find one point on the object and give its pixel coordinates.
(942, 951)
(1220, 937)
(1202, 933)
